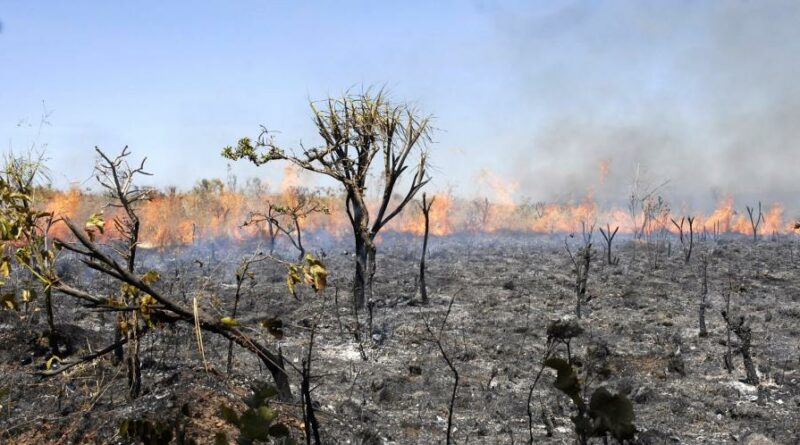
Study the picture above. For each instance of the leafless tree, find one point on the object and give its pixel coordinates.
(287, 218)
(755, 219)
(425, 208)
(608, 236)
(356, 131)
(687, 245)
(436, 338)
(243, 274)
(703, 294)
(481, 211)
(640, 202)
(742, 329)
(143, 297)
(164, 308)
(581, 263)
(117, 177)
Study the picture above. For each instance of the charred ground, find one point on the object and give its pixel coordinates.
(640, 339)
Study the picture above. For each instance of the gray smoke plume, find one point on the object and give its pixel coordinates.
(704, 94)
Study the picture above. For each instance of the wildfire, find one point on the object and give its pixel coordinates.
(209, 211)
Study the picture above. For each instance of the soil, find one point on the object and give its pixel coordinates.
(640, 339)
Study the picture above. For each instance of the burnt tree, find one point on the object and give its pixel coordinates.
(608, 236)
(358, 131)
(581, 261)
(703, 295)
(425, 208)
(287, 218)
(755, 219)
(742, 329)
(686, 244)
(152, 305)
(117, 177)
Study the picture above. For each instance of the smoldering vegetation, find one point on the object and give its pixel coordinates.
(640, 337)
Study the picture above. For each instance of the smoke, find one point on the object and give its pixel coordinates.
(703, 94)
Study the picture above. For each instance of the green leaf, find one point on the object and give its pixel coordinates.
(229, 322)
(9, 301)
(566, 379)
(253, 426)
(5, 267)
(123, 428)
(151, 277)
(228, 414)
(267, 413)
(274, 326)
(28, 295)
(613, 414)
(96, 221)
(292, 279)
(316, 273)
(261, 394)
(49, 364)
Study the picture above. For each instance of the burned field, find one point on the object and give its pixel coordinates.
(372, 312)
(493, 302)
(484, 222)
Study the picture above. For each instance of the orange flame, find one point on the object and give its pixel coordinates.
(211, 212)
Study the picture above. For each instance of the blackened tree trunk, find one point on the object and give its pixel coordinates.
(703, 296)
(51, 324)
(743, 331)
(691, 239)
(426, 211)
(582, 277)
(360, 279)
(608, 236)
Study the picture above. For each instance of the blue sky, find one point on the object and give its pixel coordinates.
(702, 93)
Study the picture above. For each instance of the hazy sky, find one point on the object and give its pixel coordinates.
(702, 93)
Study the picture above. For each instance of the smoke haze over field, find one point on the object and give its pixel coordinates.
(553, 100)
(704, 95)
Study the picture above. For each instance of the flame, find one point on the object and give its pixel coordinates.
(64, 204)
(209, 211)
(501, 206)
(439, 218)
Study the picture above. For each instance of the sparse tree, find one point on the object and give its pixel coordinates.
(358, 131)
(742, 329)
(436, 338)
(755, 219)
(142, 297)
(243, 274)
(22, 223)
(425, 208)
(581, 262)
(642, 202)
(287, 218)
(608, 236)
(703, 294)
(687, 245)
(117, 177)
(481, 210)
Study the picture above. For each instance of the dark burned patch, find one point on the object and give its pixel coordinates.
(181, 408)
(496, 337)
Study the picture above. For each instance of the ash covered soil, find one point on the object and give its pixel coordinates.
(641, 339)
